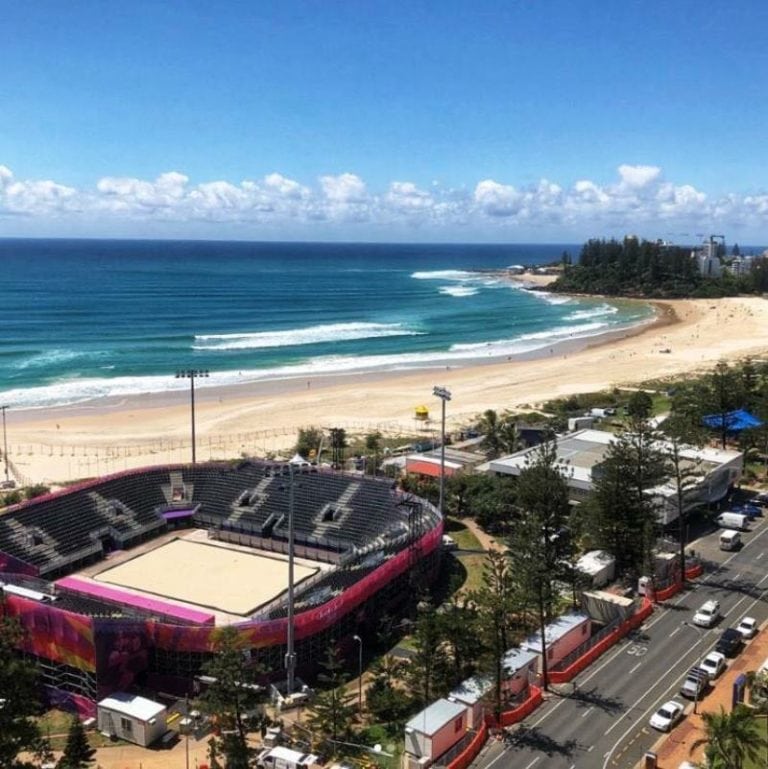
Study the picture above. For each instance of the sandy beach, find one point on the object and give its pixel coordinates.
(58, 444)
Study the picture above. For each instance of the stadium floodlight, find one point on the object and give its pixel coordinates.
(5, 447)
(192, 374)
(445, 395)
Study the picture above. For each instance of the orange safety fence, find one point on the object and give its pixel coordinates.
(467, 756)
(509, 717)
(586, 659)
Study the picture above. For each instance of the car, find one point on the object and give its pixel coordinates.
(667, 716)
(449, 543)
(713, 664)
(751, 511)
(695, 683)
(761, 498)
(729, 642)
(707, 615)
(747, 627)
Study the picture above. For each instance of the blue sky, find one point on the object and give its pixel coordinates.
(521, 120)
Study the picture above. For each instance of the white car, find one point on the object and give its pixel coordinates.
(747, 627)
(667, 716)
(713, 664)
(707, 615)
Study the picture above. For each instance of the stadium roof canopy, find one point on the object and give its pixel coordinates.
(733, 421)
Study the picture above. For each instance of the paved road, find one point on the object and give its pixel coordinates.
(603, 722)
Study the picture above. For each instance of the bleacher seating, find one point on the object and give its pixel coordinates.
(342, 512)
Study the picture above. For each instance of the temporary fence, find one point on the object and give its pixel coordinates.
(524, 709)
(637, 619)
(467, 756)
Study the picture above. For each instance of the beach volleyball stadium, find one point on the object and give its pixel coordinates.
(124, 582)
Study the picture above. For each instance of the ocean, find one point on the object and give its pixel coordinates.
(89, 319)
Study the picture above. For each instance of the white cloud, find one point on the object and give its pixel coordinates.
(638, 176)
(638, 199)
(345, 188)
(497, 199)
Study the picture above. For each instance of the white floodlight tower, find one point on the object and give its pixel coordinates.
(445, 395)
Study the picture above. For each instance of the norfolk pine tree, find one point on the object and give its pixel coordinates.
(78, 754)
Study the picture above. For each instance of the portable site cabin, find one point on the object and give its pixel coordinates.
(599, 566)
(470, 693)
(520, 667)
(132, 718)
(434, 731)
(562, 636)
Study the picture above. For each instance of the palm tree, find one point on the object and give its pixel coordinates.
(730, 738)
(499, 433)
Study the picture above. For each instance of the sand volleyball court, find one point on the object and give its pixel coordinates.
(212, 575)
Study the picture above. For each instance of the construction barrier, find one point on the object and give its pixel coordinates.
(467, 756)
(524, 709)
(691, 573)
(637, 619)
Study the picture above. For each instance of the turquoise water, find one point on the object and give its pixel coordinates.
(91, 319)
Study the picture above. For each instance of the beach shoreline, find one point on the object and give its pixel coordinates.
(259, 418)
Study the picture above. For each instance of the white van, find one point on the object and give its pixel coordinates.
(730, 540)
(733, 521)
(285, 758)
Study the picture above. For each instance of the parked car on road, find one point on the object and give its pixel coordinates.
(667, 716)
(696, 682)
(707, 615)
(713, 664)
(729, 642)
(747, 627)
(761, 498)
(751, 511)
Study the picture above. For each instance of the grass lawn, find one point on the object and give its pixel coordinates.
(463, 537)
(473, 565)
(55, 725)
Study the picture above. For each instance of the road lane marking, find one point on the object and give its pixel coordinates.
(591, 748)
(635, 668)
(538, 758)
(759, 556)
(587, 711)
(661, 679)
(676, 630)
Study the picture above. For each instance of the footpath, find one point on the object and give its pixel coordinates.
(672, 749)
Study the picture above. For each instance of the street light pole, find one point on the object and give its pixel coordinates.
(445, 395)
(290, 655)
(192, 374)
(359, 674)
(5, 444)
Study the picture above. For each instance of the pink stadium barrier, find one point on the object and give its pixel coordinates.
(115, 595)
(11, 565)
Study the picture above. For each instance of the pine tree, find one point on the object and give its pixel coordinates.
(78, 754)
(429, 672)
(233, 693)
(332, 711)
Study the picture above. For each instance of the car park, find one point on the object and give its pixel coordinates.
(667, 716)
(707, 615)
(747, 627)
(729, 642)
(713, 664)
(695, 683)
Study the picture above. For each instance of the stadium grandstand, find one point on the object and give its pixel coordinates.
(122, 582)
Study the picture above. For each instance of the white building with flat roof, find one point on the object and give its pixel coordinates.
(580, 455)
(132, 718)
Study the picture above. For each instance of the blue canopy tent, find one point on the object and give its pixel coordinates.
(733, 421)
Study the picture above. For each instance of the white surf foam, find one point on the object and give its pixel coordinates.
(458, 291)
(442, 275)
(594, 312)
(331, 332)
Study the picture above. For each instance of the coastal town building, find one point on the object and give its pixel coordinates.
(580, 455)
